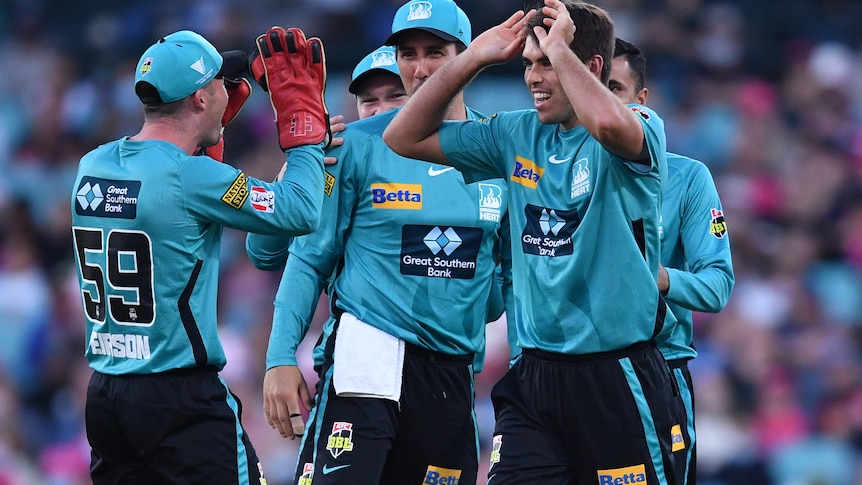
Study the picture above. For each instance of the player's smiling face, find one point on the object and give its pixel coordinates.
(549, 99)
(420, 54)
(380, 92)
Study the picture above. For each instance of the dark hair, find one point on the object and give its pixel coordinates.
(594, 34)
(635, 58)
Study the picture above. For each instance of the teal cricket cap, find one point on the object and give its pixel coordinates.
(179, 64)
(443, 18)
(381, 59)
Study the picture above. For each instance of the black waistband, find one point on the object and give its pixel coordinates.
(185, 371)
(610, 354)
(423, 353)
(678, 363)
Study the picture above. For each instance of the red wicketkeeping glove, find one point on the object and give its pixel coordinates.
(238, 91)
(293, 70)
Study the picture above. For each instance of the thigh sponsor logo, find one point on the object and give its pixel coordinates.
(307, 474)
(341, 439)
(107, 198)
(623, 476)
(262, 479)
(440, 251)
(676, 439)
(442, 476)
(548, 232)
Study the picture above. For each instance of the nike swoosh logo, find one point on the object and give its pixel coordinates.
(553, 159)
(434, 172)
(327, 469)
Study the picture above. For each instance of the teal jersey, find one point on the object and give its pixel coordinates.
(695, 250)
(584, 228)
(413, 248)
(147, 222)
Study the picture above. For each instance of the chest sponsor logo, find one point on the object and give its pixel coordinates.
(396, 196)
(262, 200)
(237, 193)
(490, 202)
(328, 183)
(435, 475)
(580, 178)
(107, 198)
(341, 439)
(526, 172)
(717, 224)
(621, 476)
(440, 251)
(548, 232)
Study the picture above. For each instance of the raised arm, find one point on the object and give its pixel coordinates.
(610, 121)
(413, 131)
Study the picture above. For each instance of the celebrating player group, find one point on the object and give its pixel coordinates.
(421, 222)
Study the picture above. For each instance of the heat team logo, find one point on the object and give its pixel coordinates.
(382, 58)
(580, 178)
(717, 224)
(419, 11)
(490, 202)
(341, 439)
(526, 173)
(620, 476)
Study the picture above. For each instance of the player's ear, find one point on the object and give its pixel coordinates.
(642, 96)
(595, 65)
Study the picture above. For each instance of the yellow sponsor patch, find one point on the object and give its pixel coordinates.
(526, 172)
(237, 193)
(620, 476)
(442, 476)
(396, 196)
(328, 183)
(676, 439)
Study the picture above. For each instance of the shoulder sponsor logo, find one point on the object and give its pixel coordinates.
(329, 469)
(341, 439)
(490, 202)
(396, 196)
(107, 198)
(676, 439)
(328, 183)
(526, 172)
(717, 224)
(307, 474)
(262, 200)
(440, 251)
(642, 112)
(435, 172)
(620, 476)
(554, 160)
(435, 475)
(548, 232)
(237, 193)
(580, 178)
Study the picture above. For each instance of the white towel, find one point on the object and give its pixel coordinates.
(368, 362)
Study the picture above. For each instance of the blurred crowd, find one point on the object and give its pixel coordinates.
(766, 93)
